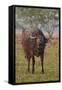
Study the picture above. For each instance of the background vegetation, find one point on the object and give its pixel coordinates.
(45, 19)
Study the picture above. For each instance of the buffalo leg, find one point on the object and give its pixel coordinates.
(28, 64)
(33, 62)
(42, 64)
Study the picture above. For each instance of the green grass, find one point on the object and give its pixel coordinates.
(51, 66)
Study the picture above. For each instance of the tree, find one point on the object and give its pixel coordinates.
(47, 18)
(51, 21)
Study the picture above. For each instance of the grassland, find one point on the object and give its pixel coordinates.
(51, 64)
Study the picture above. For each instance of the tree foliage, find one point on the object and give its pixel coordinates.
(48, 18)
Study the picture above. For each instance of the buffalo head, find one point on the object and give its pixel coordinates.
(38, 42)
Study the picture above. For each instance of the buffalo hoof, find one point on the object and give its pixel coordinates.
(42, 72)
(28, 71)
(32, 72)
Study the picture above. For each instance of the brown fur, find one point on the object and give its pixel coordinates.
(33, 47)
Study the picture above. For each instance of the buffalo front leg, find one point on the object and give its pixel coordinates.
(33, 62)
(28, 64)
(42, 62)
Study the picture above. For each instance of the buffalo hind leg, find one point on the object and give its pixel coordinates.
(42, 62)
(33, 62)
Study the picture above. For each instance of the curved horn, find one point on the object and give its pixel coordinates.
(32, 37)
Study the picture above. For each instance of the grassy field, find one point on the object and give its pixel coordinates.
(51, 64)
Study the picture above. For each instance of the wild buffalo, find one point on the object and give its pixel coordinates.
(34, 42)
